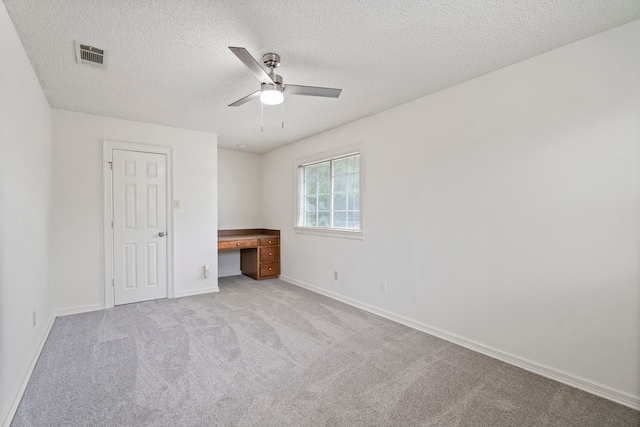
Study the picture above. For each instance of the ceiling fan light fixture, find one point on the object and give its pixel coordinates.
(271, 94)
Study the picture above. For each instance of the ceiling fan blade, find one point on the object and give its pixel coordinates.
(247, 98)
(253, 65)
(327, 92)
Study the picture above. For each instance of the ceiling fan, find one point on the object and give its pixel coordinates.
(273, 88)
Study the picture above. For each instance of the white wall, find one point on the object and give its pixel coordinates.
(78, 204)
(25, 217)
(239, 200)
(505, 210)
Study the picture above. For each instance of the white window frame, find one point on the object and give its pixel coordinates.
(357, 148)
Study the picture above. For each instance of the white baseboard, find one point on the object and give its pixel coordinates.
(17, 395)
(78, 310)
(229, 273)
(546, 371)
(95, 307)
(199, 291)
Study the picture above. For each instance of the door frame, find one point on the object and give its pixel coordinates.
(107, 156)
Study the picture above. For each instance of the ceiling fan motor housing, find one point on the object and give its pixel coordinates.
(276, 85)
(277, 79)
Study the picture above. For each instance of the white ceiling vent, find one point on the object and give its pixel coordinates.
(90, 55)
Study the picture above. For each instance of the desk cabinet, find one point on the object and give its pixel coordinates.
(269, 258)
(259, 250)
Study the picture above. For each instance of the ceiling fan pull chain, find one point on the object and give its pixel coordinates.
(261, 117)
(282, 115)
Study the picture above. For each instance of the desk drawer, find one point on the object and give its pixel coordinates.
(272, 241)
(238, 244)
(270, 253)
(269, 269)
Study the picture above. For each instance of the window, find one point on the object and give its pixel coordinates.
(329, 193)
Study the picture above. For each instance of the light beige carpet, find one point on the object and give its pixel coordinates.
(272, 354)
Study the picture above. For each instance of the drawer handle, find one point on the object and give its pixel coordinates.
(269, 268)
(237, 244)
(269, 253)
(269, 241)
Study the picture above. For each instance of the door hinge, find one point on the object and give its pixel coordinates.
(113, 283)
(111, 224)
(110, 165)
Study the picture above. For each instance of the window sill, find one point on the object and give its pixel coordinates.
(330, 232)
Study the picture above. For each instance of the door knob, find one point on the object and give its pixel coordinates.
(161, 234)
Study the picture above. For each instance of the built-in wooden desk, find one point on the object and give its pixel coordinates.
(259, 250)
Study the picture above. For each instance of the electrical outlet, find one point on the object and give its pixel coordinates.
(34, 318)
(383, 286)
(335, 275)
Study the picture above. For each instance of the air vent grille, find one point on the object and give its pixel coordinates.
(90, 55)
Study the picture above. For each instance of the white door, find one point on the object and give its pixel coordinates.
(139, 226)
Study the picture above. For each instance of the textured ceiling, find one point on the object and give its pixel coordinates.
(169, 63)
